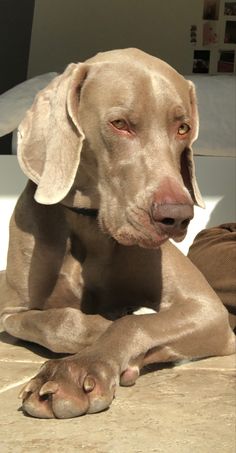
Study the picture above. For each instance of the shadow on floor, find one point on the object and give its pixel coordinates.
(36, 349)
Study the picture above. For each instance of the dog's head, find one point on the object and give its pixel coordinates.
(115, 133)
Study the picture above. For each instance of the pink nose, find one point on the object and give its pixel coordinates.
(172, 219)
(171, 208)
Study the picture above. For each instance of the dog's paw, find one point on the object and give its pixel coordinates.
(70, 387)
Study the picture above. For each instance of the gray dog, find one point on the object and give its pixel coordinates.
(107, 150)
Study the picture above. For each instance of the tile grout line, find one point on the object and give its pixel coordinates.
(206, 369)
(16, 384)
(21, 361)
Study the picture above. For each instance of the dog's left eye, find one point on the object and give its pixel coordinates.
(183, 129)
(121, 125)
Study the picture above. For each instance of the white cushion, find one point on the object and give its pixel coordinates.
(15, 102)
(217, 112)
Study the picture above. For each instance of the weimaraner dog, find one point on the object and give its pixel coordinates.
(107, 150)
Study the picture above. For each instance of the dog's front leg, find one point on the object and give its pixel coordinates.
(62, 330)
(86, 382)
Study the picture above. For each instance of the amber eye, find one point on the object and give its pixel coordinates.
(120, 124)
(183, 129)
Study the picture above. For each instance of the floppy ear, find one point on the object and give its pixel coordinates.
(187, 162)
(50, 138)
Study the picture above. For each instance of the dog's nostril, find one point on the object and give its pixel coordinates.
(172, 218)
(168, 221)
(185, 223)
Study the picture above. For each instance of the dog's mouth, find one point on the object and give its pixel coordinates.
(145, 233)
(129, 236)
(137, 230)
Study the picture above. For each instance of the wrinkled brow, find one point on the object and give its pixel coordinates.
(179, 114)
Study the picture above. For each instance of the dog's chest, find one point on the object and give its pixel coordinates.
(118, 279)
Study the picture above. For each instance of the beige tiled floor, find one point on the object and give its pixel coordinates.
(187, 409)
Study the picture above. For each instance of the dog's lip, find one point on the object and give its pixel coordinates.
(140, 242)
(151, 244)
(154, 234)
(146, 232)
(156, 241)
(137, 232)
(133, 232)
(178, 237)
(150, 241)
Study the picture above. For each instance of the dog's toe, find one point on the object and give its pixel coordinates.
(53, 400)
(35, 404)
(129, 376)
(66, 389)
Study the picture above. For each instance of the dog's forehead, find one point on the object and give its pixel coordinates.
(132, 57)
(131, 73)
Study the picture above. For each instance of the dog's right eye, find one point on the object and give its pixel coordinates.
(121, 125)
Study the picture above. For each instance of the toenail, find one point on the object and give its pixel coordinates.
(89, 384)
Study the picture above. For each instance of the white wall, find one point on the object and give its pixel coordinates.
(72, 30)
